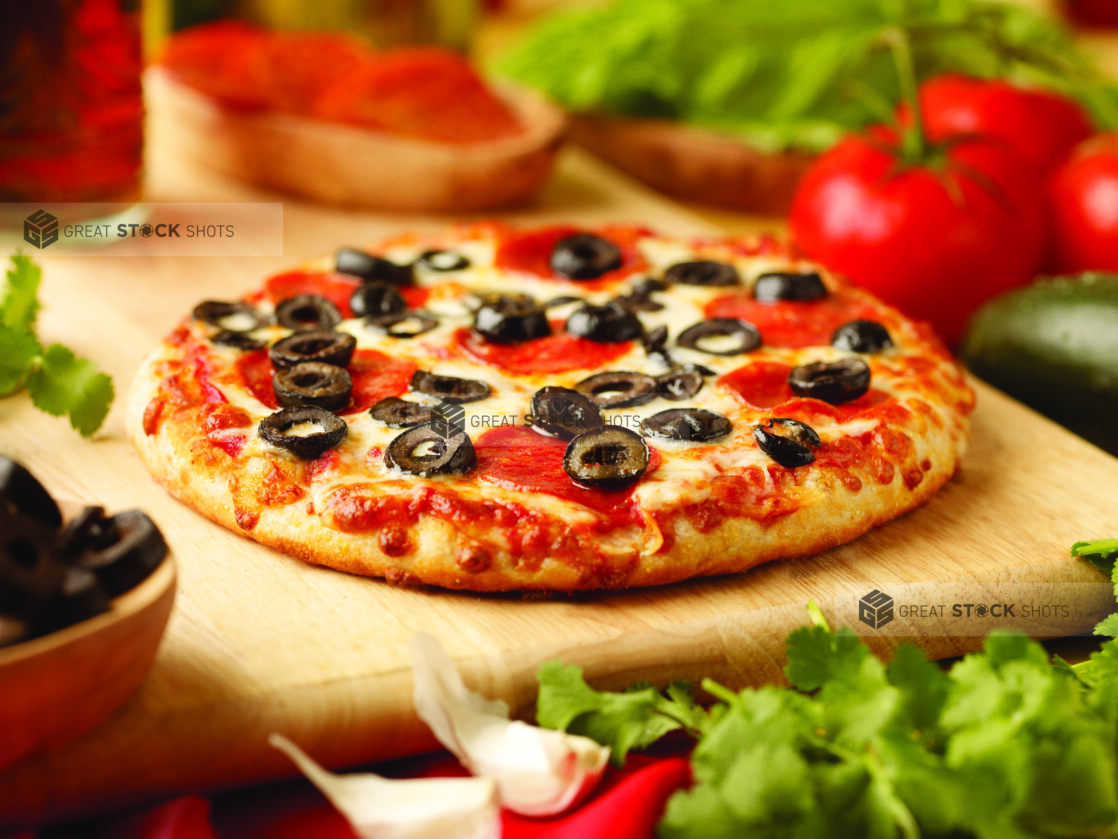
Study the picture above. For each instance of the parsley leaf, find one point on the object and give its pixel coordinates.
(1101, 553)
(622, 721)
(19, 306)
(57, 381)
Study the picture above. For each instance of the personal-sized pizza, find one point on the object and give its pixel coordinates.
(492, 408)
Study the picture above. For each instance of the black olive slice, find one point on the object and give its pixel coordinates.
(323, 345)
(377, 298)
(639, 303)
(609, 458)
(647, 286)
(89, 529)
(679, 384)
(703, 272)
(694, 424)
(313, 383)
(618, 388)
(511, 319)
(774, 286)
(24, 497)
(787, 441)
(832, 381)
(121, 551)
(80, 596)
(584, 256)
(450, 388)
(424, 451)
(721, 336)
(403, 325)
(357, 263)
(321, 430)
(230, 316)
(606, 324)
(30, 576)
(561, 300)
(307, 311)
(862, 336)
(400, 413)
(238, 340)
(443, 260)
(565, 413)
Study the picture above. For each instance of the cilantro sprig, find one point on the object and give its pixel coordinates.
(1004, 744)
(58, 381)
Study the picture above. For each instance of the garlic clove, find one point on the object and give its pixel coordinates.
(419, 808)
(539, 772)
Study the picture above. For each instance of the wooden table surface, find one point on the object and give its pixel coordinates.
(260, 643)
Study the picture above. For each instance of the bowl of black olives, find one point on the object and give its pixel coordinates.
(84, 600)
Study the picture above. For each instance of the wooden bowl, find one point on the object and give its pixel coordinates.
(707, 167)
(55, 688)
(354, 167)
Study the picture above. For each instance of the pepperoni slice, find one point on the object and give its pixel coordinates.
(337, 288)
(764, 386)
(516, 457)
(555, 353)
(791, 323)
(530, 252)
(376, 376)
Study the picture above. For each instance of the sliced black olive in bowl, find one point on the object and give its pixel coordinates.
(609, 458)
(696, 425)
(357, 263)
(313, 383)
(400, 413)
(424, 451)
(679, 384)
(862, 336)
(30, 576)
(307, 311)
(403, 325)
(618, 388)
(584, 256)
(450, 388)
(377, 298)
(564, 413)
(80, 596)
(721, 336)
(774, 286)
(121, 550)
(324, 345)
(230, 316)
(511, 319)
(24, 497)
(436, 260)
(607, 324)
(703, 272)
(305, 431)
(787, 441)
(834, 382)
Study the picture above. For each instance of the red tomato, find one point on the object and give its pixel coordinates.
(936, 240)
(1083, 208)
(1040, 126)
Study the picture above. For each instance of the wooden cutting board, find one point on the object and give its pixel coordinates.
(260, 643)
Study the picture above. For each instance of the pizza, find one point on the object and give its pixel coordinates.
(495, 408)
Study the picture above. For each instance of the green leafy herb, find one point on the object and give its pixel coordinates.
(787, 75)
(1003, 745)
(57, 381)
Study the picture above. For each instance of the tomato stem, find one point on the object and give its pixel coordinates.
(912, 148)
